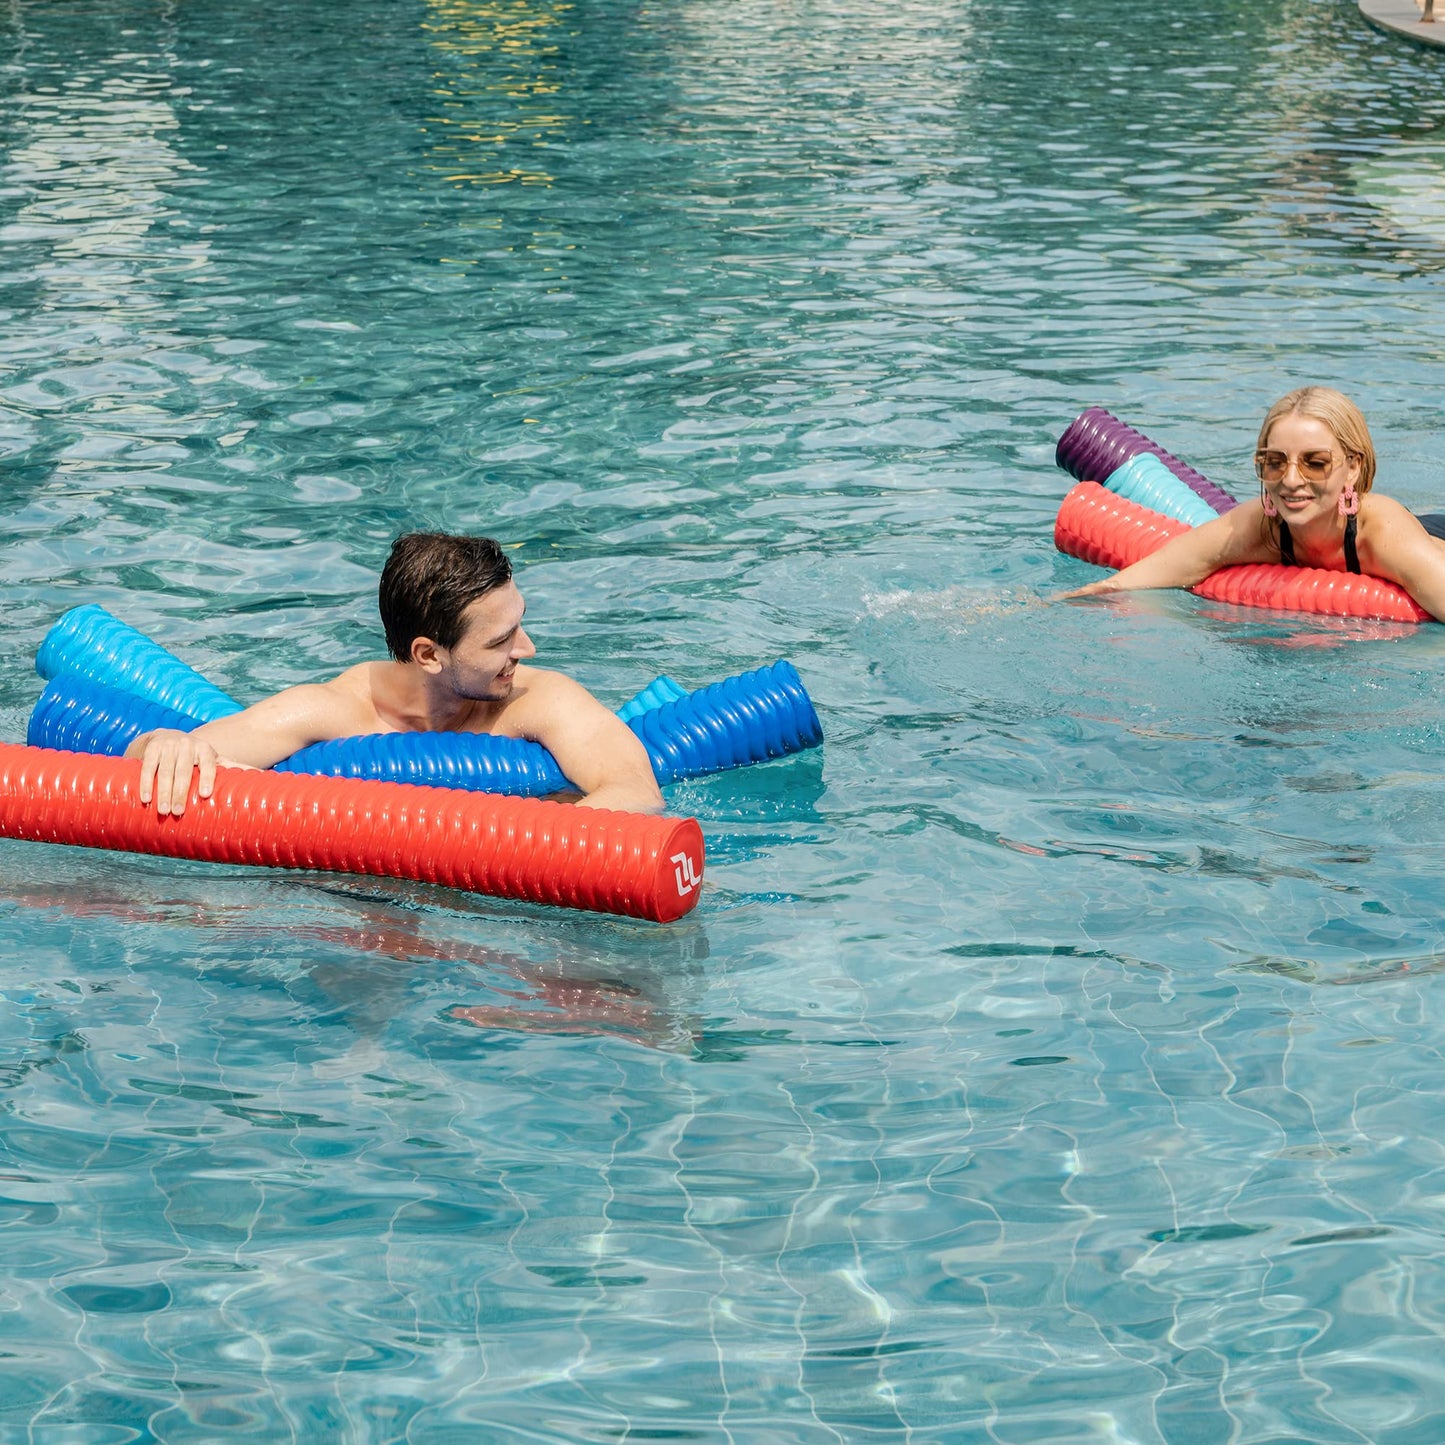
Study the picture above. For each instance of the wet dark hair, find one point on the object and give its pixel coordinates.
(429, 580)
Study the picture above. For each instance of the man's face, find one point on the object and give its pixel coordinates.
(493, 642)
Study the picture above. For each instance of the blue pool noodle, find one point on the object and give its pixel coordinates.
(746, 719)
(77, 714)
(88, 642)
(109, 683)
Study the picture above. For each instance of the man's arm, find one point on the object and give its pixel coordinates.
(259, 737)
(593, 747)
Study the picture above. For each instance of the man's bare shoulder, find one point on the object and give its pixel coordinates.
(596, 750)
(342, 706)
(541, 699)
(357, 681)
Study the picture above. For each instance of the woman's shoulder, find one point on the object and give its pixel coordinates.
(1387, 526)
(1384, 520)
(1375, 505)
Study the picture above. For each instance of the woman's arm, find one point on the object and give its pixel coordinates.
(1238, 536)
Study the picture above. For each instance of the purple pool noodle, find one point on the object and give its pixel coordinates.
(1096, 442)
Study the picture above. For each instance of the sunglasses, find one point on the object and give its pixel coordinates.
(1312, 466)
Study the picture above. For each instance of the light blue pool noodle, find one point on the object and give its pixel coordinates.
(659, 691)
(88, 642)
(1146, 480)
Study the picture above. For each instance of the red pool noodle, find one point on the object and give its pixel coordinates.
(524, 848)
(1097, 526)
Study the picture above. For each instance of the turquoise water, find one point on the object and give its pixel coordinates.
(1056, 1054)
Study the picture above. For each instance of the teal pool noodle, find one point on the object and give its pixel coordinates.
(657, 692)
(1146, 480)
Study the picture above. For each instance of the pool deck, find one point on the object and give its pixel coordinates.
(1402, 17)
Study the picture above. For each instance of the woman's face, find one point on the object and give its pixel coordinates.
(1305, 469)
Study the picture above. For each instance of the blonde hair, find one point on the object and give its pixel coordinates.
(1344, 419)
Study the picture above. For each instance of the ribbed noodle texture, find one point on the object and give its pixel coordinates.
(1312, 589)
(745, 719)
(88, 642)
(1096, 526)
(1096, 442)
(658, 691)
(641, 866)
(474, 761)
(1146, 480)
(77, 715)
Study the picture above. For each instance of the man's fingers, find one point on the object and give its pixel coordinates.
(169, 762)
(181, 773)
(169, 759)
(147, 777)
(166, 801)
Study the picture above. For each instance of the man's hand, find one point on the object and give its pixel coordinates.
(168, 758)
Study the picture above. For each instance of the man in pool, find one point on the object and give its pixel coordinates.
(453, 621)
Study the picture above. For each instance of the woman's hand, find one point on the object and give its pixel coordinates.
(1094, 589)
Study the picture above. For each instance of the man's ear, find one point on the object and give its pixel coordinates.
(427, 654)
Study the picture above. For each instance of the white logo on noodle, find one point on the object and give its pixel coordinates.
(687, 879)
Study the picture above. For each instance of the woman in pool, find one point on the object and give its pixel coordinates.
(1316, 464)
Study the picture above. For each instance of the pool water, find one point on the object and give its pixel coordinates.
(1056, 1054)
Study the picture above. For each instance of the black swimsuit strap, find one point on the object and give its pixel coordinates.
(1352, 556)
